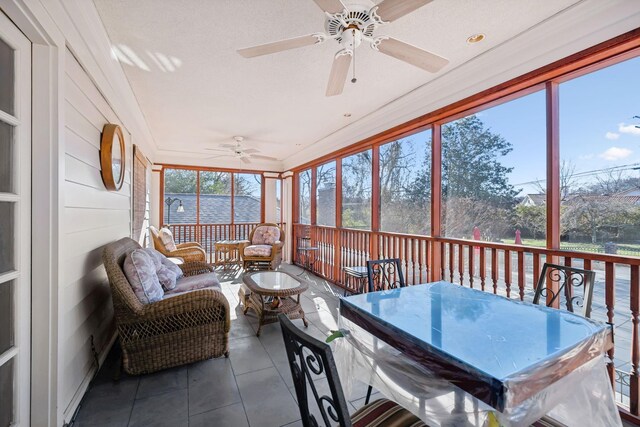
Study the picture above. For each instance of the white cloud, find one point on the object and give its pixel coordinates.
(612, 135)
(616, 153)
(630, 129)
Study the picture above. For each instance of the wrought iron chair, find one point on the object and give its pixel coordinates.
(385, 274)
(309, 360)
(569, 279)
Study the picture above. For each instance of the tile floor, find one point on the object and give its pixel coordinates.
(252, 387)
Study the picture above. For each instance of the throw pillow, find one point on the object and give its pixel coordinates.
(166, 276)
(166, 236)
(271, 235)
(140, 270)
(173, 267)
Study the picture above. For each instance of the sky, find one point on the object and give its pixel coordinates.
(597, 128)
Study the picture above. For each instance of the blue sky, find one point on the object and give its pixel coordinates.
(597, 128)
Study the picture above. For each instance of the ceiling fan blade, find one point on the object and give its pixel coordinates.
(339, 71)
(245, 159)
(279, 46)
(330, 6)
(250, 151)
(215, 149)
(228, 146)
(390, 10)
(258, 156)
(218, 156)
(413, 55)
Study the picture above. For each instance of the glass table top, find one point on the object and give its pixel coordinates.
(275, 280)
(492, 334)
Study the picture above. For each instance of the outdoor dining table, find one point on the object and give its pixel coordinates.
(456, 356)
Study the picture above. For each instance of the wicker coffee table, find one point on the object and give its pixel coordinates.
(272, 293)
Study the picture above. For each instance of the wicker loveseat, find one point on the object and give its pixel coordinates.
(264, 248)
(181, 328)
(189, 251)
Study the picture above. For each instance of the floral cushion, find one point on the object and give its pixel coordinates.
(166, 276)
(172, 266)
(166, 237)
(258, 250)
(266, 235)
(140, 270)
(199, 281)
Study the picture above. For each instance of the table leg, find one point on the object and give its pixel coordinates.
(304, 319)
(261, 317)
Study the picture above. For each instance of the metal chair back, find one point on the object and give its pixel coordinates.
(385, 274)
(575, 287)
(309, 360)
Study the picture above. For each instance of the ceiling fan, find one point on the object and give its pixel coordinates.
(238, 151)
(350, 25)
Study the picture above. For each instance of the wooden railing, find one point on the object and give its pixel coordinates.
(208, 234)
(509, 270)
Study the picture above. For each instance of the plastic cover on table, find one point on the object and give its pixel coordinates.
(581, 397)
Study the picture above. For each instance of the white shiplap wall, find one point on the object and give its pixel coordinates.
(92, 217)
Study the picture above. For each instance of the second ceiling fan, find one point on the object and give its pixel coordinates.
(238, 151)
(350, 25)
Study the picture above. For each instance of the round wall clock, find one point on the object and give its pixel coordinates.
(112, 157)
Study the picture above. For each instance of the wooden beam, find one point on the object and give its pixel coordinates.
(337, 249)
(312, 195)
(263, 194)
(197, 198)
(553, 182)
(375, 202)
(553, 167)
(161, 222)
(436, 201)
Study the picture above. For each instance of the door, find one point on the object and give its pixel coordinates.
(15, 220)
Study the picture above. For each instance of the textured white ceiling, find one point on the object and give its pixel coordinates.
(196, 91)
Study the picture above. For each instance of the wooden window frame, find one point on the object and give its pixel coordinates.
(232, 172)
(547, 78)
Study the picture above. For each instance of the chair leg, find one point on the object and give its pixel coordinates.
(369, 390)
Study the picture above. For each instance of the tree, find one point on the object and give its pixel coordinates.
(215, 182)
(356, 190)
(471, 162)
(568, 181)
(305, 196)
(532, 219)
(589, 214)
(405, 185)
(475, 184)
(180, 181)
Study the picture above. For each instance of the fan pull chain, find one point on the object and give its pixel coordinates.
(353, 80)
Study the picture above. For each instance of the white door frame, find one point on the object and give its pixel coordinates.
(20, 198)
(48, 49)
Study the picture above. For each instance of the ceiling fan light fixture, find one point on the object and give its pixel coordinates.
(475, 38)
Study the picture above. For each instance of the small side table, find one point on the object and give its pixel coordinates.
(227, 252)
(359, 275)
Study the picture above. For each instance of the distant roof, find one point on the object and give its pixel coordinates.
(214, 209)
(631, 192)
(534, 199)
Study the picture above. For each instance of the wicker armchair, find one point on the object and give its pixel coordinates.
(189, 251)
(180, 329)
(270, 260)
